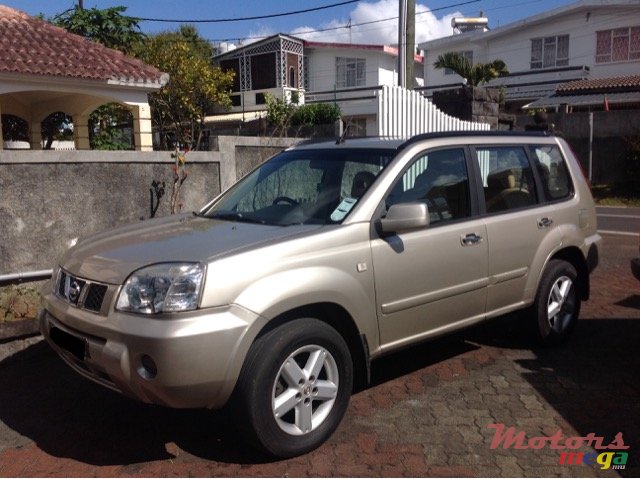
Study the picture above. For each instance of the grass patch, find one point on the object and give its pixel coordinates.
(616, 195)
(18, 303)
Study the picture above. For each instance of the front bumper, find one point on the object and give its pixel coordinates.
(190, 362)
(635, 268)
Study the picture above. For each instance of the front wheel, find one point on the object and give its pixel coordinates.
(557, 304)
(294, 387)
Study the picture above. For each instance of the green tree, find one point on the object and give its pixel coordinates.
(477, 74)
(283, 115)
(14, 128)
(56, 126)
(108, 26)
(108, 128)
(195, 89)
(315, 114)
(279, 113)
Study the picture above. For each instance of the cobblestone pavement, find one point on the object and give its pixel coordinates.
(427, 413)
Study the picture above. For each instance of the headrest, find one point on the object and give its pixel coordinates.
(501, 180)
(361, 181)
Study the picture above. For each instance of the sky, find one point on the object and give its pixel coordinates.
(433, 17)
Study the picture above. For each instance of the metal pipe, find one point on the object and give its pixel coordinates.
(26, 277)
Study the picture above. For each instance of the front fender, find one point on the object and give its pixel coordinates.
(284, 291)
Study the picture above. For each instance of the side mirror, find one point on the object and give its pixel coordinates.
(405, 216)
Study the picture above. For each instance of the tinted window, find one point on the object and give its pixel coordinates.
(506, 177)
(440, 179)
(556, 181)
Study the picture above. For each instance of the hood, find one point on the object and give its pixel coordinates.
(110, 257)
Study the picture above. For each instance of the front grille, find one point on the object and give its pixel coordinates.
(95, 296)
(81, 292)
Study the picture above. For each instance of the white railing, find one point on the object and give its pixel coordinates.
(404, 113)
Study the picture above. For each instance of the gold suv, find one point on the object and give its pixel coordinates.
(274, 298)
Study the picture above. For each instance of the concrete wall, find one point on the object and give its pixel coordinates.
(47, 198)
(611, 129)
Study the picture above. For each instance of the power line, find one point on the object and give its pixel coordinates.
(242, 19)
(320, 30)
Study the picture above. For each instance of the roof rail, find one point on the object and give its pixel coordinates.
(449, 134)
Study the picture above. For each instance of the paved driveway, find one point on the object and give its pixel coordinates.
(427, 414)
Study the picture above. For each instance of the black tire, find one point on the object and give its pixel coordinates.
(557, 304)
(265, 378)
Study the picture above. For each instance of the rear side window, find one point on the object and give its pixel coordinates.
(556, 181)
(507, 178)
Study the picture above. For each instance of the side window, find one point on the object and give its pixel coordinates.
(507, 178)
(555, 177)
(440, 179)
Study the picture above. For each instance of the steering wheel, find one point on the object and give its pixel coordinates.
(286, 199)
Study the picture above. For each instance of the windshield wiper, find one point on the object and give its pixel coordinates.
(235, 216)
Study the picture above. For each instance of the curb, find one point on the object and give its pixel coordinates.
(11, 330)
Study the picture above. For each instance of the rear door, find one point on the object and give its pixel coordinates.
(429, 279)
(521, 229)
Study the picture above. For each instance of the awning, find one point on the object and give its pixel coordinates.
(236, 117)
(596, 99)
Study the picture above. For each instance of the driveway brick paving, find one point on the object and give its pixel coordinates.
(427, 412)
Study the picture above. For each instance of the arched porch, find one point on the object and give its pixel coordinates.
(33, 101)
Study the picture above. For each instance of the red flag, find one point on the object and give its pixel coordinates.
(605, 107)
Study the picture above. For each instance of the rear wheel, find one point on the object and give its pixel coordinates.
(557, 304)
(294, 387)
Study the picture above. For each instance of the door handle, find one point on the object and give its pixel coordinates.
(544, 223)
(470, 239)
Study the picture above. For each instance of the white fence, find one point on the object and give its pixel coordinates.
(404, 113)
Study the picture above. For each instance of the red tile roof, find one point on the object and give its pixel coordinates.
(626, 83)
(35, 47)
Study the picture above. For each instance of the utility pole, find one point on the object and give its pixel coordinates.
(402, 44)
(410, 44)
(81, 4)
(406, 43)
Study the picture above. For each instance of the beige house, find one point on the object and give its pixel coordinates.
(44, 69)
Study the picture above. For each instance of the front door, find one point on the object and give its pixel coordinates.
(428, 280)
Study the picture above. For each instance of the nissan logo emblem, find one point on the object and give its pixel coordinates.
(74, 291)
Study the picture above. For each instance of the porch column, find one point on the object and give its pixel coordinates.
(142, 134)
(35, 135)
(81, 132)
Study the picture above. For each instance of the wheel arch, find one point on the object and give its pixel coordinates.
(339, 319)
(574, 256)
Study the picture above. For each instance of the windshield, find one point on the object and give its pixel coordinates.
(303, 187)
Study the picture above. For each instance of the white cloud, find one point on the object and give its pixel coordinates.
(260, 34)
(224, 47)
(428, 25)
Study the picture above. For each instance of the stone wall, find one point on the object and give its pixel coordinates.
(478, 104)
(47, 198)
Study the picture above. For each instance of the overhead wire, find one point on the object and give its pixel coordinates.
(328, 29)
(243, 19)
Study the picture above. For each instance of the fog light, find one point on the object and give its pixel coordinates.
(148, 368)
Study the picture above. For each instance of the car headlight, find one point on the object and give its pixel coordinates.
(162, 288)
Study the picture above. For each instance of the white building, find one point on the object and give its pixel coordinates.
(350, 75)
(589, 39)
(273, 65)
(353, 75)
